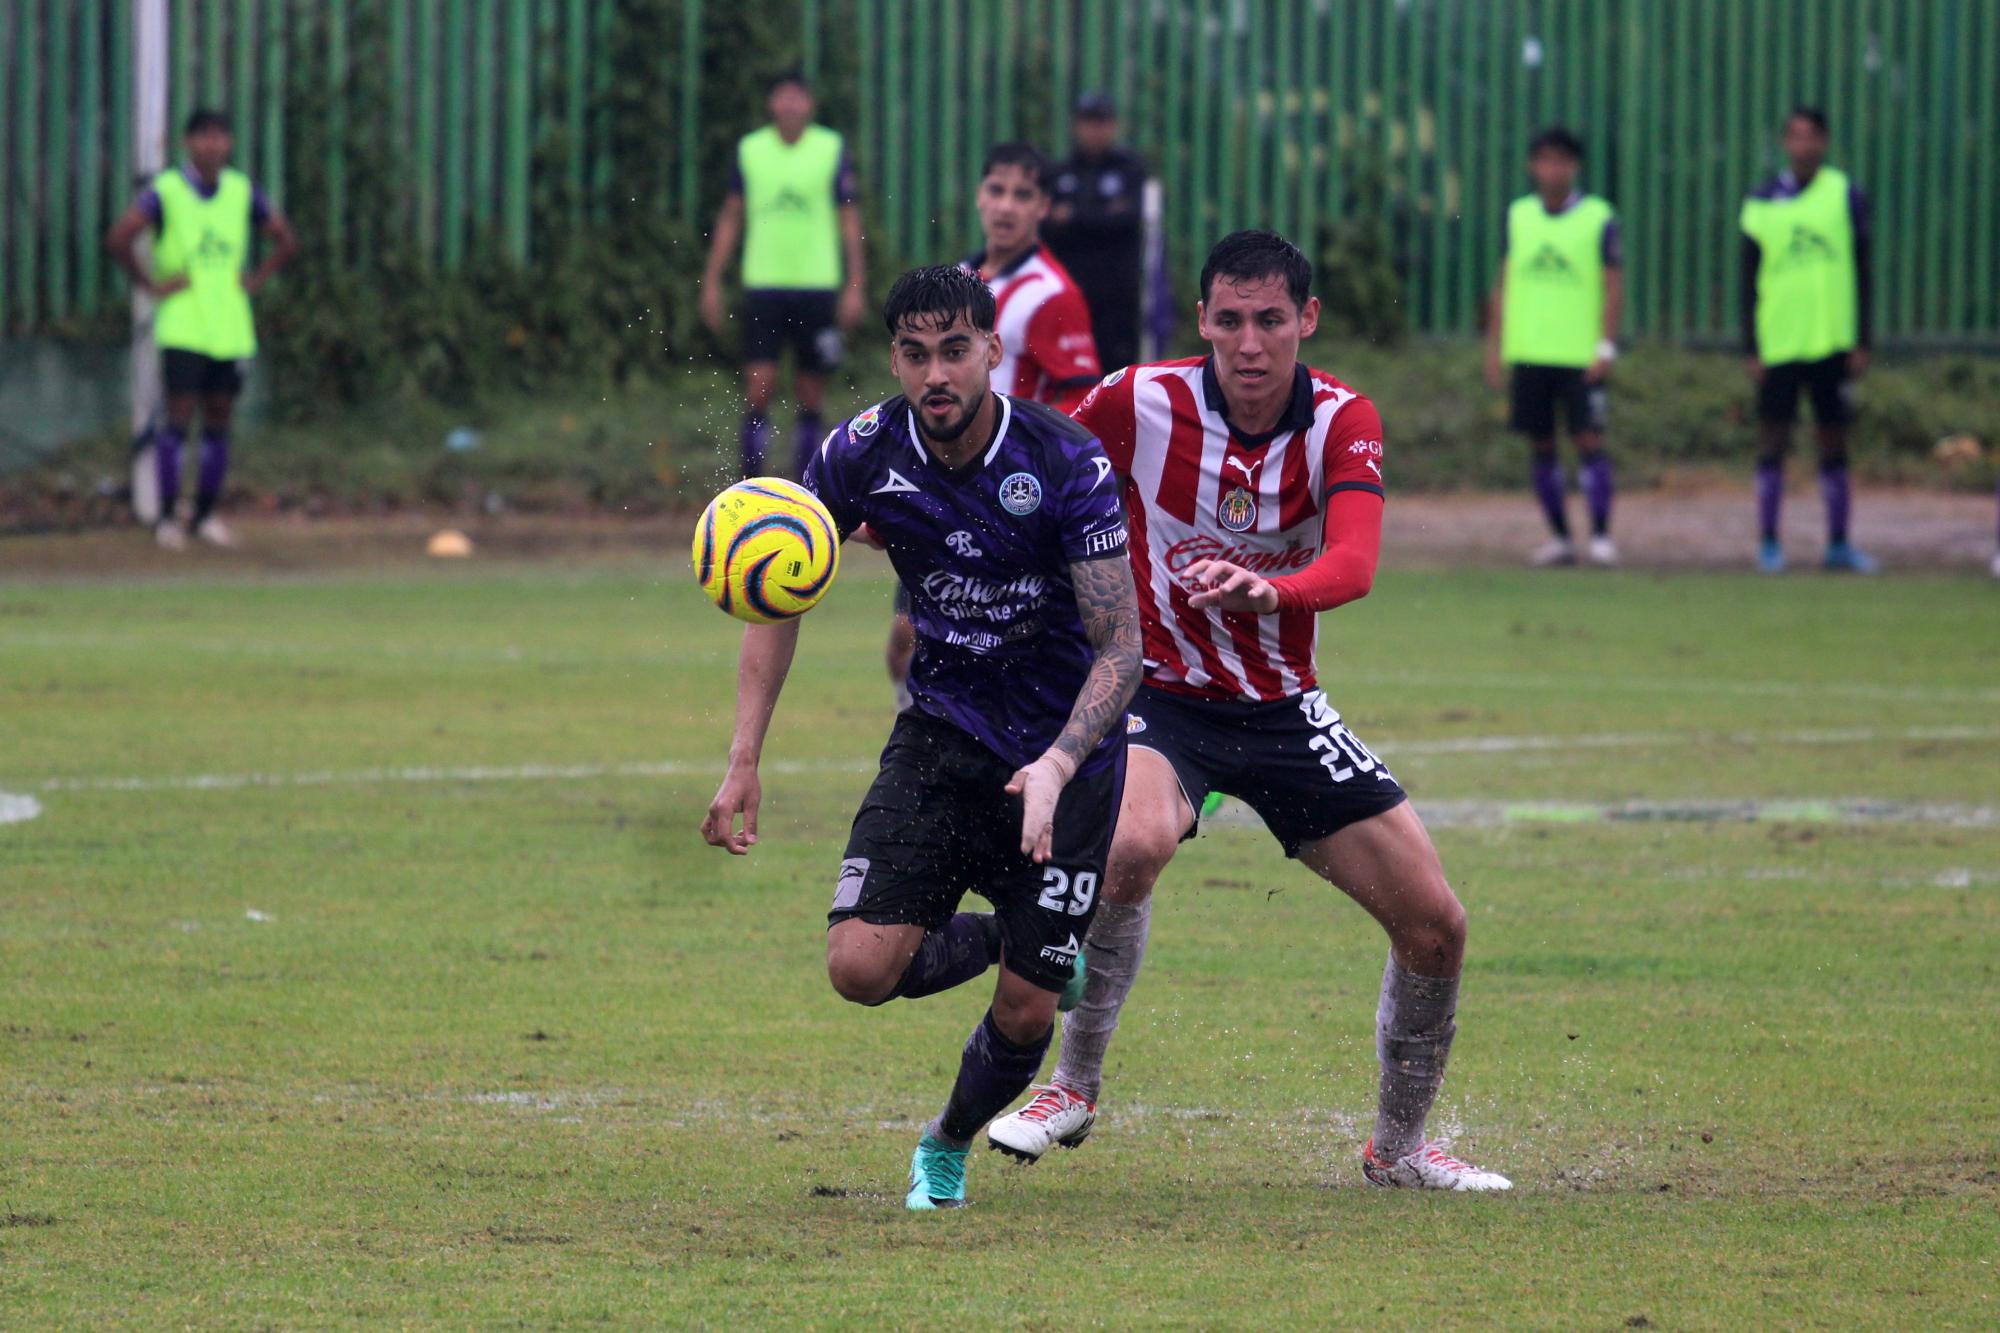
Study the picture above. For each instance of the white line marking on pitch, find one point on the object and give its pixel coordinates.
(677, 768)
(15, 809)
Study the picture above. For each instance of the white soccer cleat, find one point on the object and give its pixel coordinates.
(170, 535)
(1428, 1168)
(216, 533)
(1054, 1116)
(1603, 552)
(1554, 552)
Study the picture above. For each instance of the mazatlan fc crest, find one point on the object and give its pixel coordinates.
(1020, 494)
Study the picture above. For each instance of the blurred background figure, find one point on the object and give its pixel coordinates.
(1096, 226)
(1808, 302)
(1555, 317)
(203, 213)
(792, 201)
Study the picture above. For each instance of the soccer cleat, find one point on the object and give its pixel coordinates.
(937, 1177)
(1844, 559)
(1054, 1116)
(1428, 1168)
(1603, 552)
(1072, 991)
(1554, 552)
(215, 532)
(170, 535)
(1770, 557)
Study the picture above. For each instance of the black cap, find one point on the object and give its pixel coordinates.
(1096, 106)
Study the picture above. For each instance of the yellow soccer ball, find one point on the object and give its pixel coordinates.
(766, 550)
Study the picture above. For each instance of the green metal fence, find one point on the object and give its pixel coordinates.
(1285, 113)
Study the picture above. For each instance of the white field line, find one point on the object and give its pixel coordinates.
(677, 768)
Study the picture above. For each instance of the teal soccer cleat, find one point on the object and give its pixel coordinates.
(1770, 558)
(1072, 994)
(1844, 559)
(937, 1177)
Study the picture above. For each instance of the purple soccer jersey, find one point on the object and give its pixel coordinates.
(984, 553)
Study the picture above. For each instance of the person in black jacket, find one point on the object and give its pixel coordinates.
(1096, 226)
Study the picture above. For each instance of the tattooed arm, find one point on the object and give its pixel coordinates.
(1109, 605)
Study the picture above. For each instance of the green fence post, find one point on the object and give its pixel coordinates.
(520, 76)
(61, 160)
(273, 132)
(576, 93)
(27, 169)
(455, 54)
(424, 167)
(90, 179)
(485, 118)
(691, 57)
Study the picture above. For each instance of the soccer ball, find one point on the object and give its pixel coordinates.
(766, 550)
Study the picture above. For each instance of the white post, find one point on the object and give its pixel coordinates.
(149, 156)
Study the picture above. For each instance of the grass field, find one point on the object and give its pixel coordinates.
(364, 966)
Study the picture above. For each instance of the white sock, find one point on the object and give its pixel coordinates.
(1413, 1032)
(1113, 951)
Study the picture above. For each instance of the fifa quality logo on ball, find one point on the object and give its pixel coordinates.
(1020, 494)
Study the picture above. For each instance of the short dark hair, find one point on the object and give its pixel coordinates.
(1026, 156)
(936, 296)
(790, 75)
(1246, 255)
(1811, 115)
(1558, 138)
(205, 118)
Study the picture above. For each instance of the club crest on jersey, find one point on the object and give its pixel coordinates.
(1020, 494)
(866, 424)
(1134, 724)
(1237, 510)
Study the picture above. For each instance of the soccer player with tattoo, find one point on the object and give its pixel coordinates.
(1253, 486)
(1003, 778)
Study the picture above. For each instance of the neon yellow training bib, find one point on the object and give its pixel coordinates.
(1806, 280)
(1552, 303)
(208, 240)
(791, 237)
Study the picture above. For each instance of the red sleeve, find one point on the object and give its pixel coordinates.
(1108, 411)
(1060, 343)
(1345, 569)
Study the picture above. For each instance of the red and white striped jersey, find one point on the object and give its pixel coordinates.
(1195, 490)
(1047, 350)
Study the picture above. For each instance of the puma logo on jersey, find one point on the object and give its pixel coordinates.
(1374, 467)
(1249, 470)
(898, 484)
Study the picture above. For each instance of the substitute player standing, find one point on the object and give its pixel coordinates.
(1555, 316)
(1002, 518)
(1808, 301)
(792, 199)
(1047, 352)
(203, 212)
(1254, 489)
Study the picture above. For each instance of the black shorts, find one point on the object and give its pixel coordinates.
(1825, 381)
(182, 371)
(938, 823)
(806, 322)
(1292, 760)
(1538, 389)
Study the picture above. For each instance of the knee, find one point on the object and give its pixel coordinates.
(1024, 1017)
(1136, 863)
(1434, 940)
(860, 978)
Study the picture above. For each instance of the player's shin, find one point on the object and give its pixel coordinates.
(1116, 946)
(1413, 1032)
(992, 1072)
(214, 468)
(167, 460)
(953, 954)
(756, 435)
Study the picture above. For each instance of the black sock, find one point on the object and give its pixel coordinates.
(991, 1073)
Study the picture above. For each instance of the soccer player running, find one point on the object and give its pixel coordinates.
(1047, 352)
(202, 213)
(1555, 316)
(1254, 490)
(792, 202)
(1003, 520)
(1807, 297)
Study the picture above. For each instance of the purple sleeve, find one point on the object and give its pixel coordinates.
(846, 189)
(1614, 245)
(1857, 212)
(260, 207)
(1093, 520)
(148, 203)
(736, 177)
(822, 478)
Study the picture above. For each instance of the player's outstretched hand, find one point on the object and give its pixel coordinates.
(1229, 587)
(740, 793)
(1040, 786)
